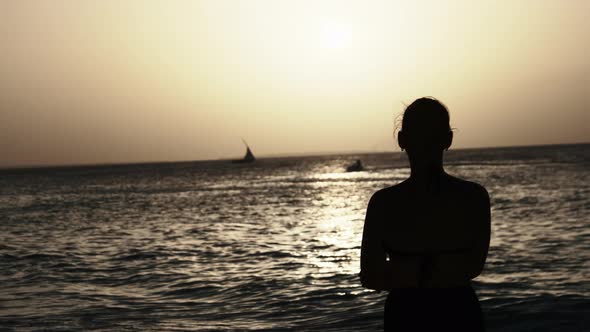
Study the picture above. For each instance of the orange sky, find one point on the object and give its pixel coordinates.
(125, 81)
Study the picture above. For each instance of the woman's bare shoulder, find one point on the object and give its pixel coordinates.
(468, 188)
(389, 193)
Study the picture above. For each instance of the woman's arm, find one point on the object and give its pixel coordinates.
(378, 273)
(403, 271)
(459, 267)
(372, 251)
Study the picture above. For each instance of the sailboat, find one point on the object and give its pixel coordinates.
(248, 158)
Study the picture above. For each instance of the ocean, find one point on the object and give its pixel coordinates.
(274, 245)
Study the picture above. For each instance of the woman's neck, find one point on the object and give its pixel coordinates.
(426, 177)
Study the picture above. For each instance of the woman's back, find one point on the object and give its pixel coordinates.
(450, 222)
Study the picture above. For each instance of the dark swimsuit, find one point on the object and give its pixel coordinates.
(433, 309)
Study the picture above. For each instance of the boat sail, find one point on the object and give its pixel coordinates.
(248, 157)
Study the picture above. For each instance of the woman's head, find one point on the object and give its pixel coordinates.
(425, 127)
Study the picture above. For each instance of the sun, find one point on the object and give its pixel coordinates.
(335, 36)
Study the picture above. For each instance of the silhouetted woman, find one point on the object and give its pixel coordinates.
(427, 237)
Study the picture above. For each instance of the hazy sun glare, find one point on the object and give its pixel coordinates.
(112, 81)
(336, 36)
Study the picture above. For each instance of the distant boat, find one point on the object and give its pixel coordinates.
(248, 158)
(357, 166)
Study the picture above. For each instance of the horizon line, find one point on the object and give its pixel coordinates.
(264, 156)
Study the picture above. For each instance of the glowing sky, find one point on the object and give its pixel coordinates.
(123, 81)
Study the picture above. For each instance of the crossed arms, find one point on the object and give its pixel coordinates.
(438, 264)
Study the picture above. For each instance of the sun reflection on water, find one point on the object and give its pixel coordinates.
(338, 225)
